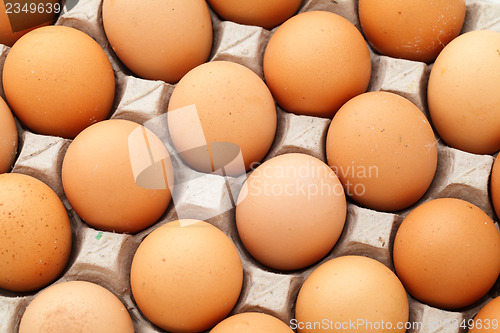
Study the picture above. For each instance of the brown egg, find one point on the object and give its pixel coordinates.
(251, 322)
(315, 62)
(488, 318)
(383, 150)
(264, 13)
(234, 108)
(291, 211)
(58, 81)
(495, 186)
(159, 40)
(35, 233)
(76, 306)
(463, 92)
(351, 294)
(446, 253)
(186, 276)
(20, 17)
(414, 30)
(8, 137)
(99, 180)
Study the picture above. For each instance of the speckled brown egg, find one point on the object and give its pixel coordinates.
(8, 137)
(351, 294)
(58, 81)
(234, 115)
(446, 253)
(264, 13)
(186, 276)
(383, 149)
(315, 62)
(251, 322)
(487, 319)
(291, 211)
(463, 92)
(414, 30)
(99, 180)
(495, 186)
(76, 306)
(159, 40)
(35, 233)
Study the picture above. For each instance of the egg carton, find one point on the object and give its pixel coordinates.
(105, 257)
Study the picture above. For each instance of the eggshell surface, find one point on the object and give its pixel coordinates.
(159, 40)
(383, 150)
(414, 30)
(315, 62)
(463, 92)
(8, 137)
(251, 322)
(291, 211)
(186, 276)
(35, 237)
(351, 289)
(58, 81)
(76, 306)
(495, 186)
(264, 13)
(99, 181)
(488, 318)
(446, 253)
(233, 105)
